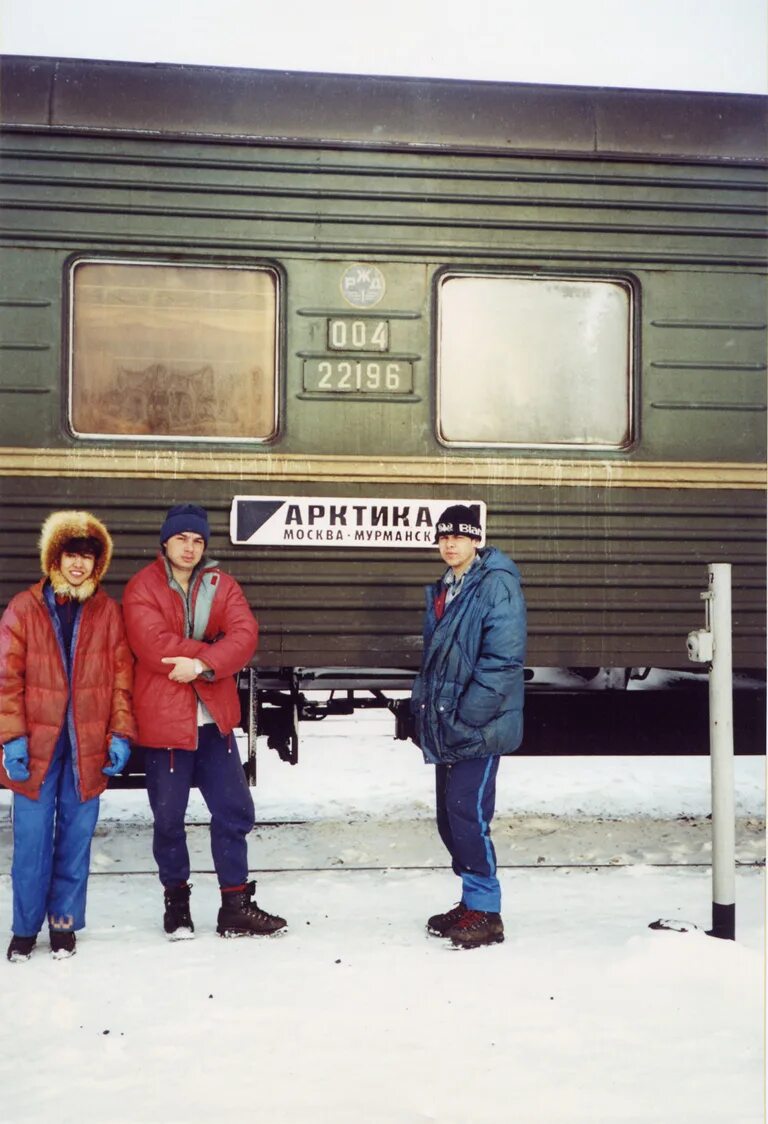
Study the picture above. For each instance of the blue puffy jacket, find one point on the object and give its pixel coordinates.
(467, 700)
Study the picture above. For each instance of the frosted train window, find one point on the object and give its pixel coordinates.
(170, 351)
(534, 361)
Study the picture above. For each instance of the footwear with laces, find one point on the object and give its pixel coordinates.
(63, 943)
(241, 917)
(20, 948)
(475, 927)
(440, 923)
(177, 920)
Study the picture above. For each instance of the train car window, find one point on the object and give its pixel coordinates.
(173, 351)
(534, 361)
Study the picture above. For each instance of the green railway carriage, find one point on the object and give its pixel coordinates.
(222, 283)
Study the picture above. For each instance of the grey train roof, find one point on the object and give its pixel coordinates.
(406, 114)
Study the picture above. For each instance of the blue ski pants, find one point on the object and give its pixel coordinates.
(465, 801)
(215, 768)
(52, 850)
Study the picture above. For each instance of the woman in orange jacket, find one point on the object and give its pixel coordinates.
(66, 723)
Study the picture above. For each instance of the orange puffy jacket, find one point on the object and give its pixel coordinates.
(35, 690)
(166, 711)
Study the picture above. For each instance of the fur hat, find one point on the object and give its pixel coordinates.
(185, 517)
(61, 528)
(459, 519)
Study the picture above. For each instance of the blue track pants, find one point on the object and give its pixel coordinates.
(52, 850)
(465, 800)
(215, 768)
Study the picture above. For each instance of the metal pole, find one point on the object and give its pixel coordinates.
(721, 754)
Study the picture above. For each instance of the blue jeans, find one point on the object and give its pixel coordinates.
(215, 768)
(465, 801)
(52, 850)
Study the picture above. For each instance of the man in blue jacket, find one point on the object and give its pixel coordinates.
(467, 705)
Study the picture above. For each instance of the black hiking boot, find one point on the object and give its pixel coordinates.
(177, 920)
(241, 917)
(475, 927)
(20, 948)
(439, 925)
(63, 943)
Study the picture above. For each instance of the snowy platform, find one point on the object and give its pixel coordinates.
(355, 1015)
(584, 1014)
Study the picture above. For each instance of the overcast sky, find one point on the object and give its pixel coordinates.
(664, 44)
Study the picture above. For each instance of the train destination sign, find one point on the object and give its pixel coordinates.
(333, 521)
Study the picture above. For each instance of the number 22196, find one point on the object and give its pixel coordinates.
(358, 376)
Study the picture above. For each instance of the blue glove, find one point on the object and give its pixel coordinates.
(119, 752)
(16, 758)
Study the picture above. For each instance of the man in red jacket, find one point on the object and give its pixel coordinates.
(191, 631)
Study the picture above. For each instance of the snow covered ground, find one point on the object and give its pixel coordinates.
(355, 1016)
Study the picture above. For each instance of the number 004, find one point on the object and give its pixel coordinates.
(359, 335)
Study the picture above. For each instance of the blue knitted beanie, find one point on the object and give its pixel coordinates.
(185, 517)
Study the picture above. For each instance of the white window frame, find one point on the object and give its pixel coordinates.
(625, 283)
(173, 438)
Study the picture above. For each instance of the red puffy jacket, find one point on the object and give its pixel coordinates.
(166, 711)
(35, 690)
